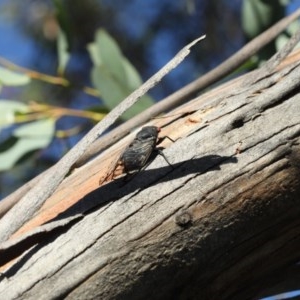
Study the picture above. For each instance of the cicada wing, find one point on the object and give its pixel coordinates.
(136, 155)
(146, 151)
(115, 169)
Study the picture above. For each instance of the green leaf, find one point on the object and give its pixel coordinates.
(114, 92)
(258, 15)
(11, 78)
(63, 18)
(284, 37)
(27, 138)
(41, 129)
(8, 109)
(62, 51)
(111, 91)
(113, 75)
(93, 51)
(110, 55)
(281, 40)
(132, 76)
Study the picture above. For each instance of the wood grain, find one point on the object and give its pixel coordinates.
(236, 161)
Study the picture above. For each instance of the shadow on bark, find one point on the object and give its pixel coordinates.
(110, 192)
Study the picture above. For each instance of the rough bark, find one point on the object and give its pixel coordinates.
(223, 224)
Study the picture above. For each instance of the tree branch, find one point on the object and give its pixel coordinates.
(171, 101)
(33, 200)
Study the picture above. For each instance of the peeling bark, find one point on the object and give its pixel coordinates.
(223, 224)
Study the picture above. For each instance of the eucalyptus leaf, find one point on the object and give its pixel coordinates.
(258, 15)
(63, 18)
(93, 51)
(10, 78)
(132, 76)
(62, 51)
(43, 129)
(293, 27)
(281, 40)
(27, 138)
(8, 109)
(113, 92)
(10, 157)
(113, 75)
(109, 54)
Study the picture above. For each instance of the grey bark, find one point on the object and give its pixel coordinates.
(223, 224)
(30, 203)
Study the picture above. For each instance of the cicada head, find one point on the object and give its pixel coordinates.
(148, 132)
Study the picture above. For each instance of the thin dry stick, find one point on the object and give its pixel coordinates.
(35, 198)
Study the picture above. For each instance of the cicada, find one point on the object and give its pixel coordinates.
(137, 154)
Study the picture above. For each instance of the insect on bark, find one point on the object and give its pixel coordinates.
(137, 153)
